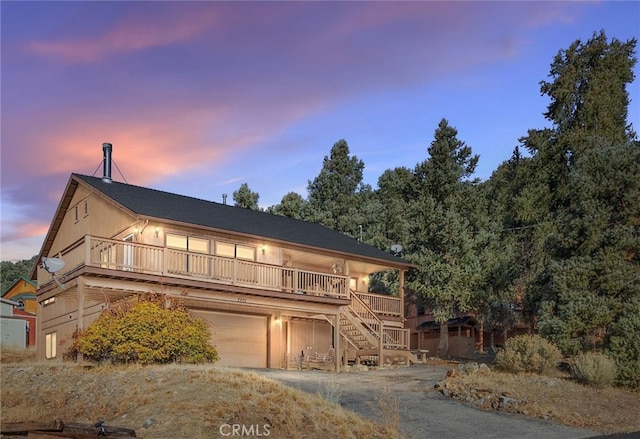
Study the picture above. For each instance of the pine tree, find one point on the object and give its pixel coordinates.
(442, 242)
(246, 198)
(582, 201)
(336, 196)
(292, 205)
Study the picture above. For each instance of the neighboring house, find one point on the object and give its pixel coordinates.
(23, 291)
(276, 290)
(15, 328)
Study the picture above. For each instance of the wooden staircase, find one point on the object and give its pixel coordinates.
(365, 332)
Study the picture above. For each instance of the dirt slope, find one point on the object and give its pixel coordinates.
(175, 402)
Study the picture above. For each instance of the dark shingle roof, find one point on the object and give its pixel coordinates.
(172, 207)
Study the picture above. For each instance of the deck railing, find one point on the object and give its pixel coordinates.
(141, 258)
(396, 338)
(381, 304)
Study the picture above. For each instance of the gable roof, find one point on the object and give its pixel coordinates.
(21, 278)
(154, 204)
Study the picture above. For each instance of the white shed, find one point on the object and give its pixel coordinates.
(13, 330)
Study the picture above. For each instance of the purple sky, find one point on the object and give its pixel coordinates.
(200, 97)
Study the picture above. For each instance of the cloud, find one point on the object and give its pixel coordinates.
(130, 34)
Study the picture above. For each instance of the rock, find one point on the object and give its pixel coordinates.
(506, 403)
(472, 367)
(452, 373)
(148, 423)
(483, 368)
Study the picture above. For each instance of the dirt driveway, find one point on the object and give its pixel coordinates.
(423, 412)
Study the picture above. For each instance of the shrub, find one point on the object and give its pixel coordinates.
(151, 331)
(528, 353)
(594, 368)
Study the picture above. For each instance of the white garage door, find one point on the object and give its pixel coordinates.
(241, 340)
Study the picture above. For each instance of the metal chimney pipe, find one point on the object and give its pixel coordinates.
(106, 162)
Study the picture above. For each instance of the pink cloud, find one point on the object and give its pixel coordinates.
(24, 230)
(130, 35)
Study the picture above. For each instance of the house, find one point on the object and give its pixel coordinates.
(23, 291)
(17, 327)
(276, 291)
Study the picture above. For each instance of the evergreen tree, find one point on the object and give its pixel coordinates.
(246, 198)
(337, 194)
(442, 238)
(582, 201)
(292, 205)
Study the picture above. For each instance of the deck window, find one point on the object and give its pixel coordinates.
(188, 243)
(229, 250)
(177, 241)
(189, 263)
(50, 341)
(225, 249)
(245, 252)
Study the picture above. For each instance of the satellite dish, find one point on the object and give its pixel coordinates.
(52, 265)
(396, 249)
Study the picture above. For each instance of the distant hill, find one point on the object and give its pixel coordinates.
(11, 271)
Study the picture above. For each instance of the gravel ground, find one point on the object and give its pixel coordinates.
(423, 412)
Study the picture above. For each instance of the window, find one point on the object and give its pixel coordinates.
(75, 214)
(177, 241)
(245, 252)
(229, 250)
(198, 245)
(225, 249)
(188, 243)
(50, 345)
(194, 264)
(49, 301)
(86, 208)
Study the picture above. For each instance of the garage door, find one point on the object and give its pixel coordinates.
(241, 340)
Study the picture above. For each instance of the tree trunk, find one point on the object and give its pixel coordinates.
(443, 345)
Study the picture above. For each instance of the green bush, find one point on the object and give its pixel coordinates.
(151, 331)
(594, 368)
(528, 353)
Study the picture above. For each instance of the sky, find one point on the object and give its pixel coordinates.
(198, 98)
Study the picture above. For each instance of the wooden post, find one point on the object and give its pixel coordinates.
(401, 294)
(80, 315)
(87, 250)
(336, 341)
(381, 346)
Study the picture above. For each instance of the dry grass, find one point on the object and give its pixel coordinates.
(174, 401)
(388, 408)
(17, 356)
(607, 409)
